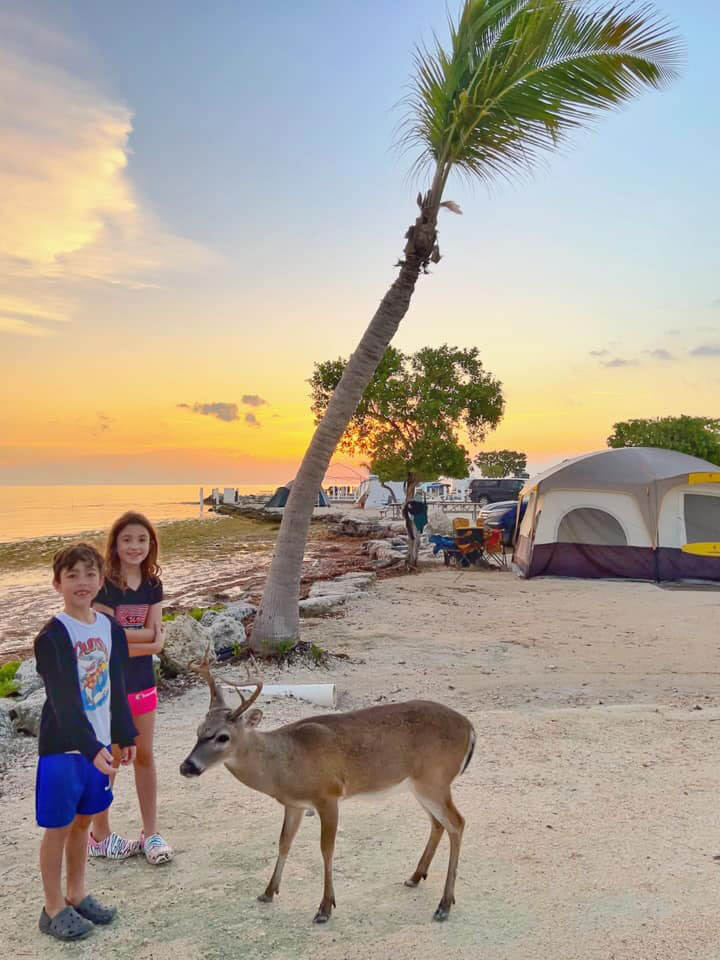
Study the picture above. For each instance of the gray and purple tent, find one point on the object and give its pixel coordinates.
(637, 512)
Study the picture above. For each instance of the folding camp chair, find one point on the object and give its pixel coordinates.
(493, 548)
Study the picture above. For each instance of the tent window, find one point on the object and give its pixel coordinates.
(702, 518)
(592, 526)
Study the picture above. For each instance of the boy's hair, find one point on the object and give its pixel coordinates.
(150, 568)
(66, 558)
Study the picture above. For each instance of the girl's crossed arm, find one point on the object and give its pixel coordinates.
(144, 641)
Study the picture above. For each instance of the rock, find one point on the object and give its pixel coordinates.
(27, 678)
(366, 576)
(329, 588)
(225, 633)
(7, 728)
(25, 714)
(387, 556)
(239, 611)
(365, 527)
(185, 640)
(321, 606)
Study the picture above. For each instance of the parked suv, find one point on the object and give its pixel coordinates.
(488, 490)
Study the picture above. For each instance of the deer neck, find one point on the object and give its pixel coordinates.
(255, 760)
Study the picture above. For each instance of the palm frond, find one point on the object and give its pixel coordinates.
(520, 75)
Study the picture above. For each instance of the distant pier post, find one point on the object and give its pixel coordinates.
(201, 500)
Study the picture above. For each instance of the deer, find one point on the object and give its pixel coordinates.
(314, 763)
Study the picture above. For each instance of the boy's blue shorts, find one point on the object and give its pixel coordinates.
(68, 784)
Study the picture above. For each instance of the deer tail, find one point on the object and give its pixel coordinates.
(470, 750)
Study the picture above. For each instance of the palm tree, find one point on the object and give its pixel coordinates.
(517, 78)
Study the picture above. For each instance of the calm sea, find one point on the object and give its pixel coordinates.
(45, 511)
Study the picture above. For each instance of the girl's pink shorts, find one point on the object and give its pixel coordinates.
(144, 701)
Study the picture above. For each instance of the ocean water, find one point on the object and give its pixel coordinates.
(45, 511)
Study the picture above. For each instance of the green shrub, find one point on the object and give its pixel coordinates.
(8, 684)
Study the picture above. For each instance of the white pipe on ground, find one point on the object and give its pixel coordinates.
(321, 694)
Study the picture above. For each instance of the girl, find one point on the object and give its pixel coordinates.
(132, 594)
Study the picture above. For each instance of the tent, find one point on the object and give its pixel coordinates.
(636, 512)
(372, 493)
(279, 498)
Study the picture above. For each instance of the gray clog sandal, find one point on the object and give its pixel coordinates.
(94, 911)
(66, 925)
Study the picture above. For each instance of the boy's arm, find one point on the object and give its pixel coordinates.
(122, 728)
(56, 665)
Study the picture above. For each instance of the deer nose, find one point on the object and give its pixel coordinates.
(188, 768)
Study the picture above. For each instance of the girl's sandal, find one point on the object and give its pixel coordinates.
(156, 850)
(66, 925)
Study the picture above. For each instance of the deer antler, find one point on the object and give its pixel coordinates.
(246, 702)
(203, 668)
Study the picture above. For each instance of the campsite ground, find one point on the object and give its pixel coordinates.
(591, 803)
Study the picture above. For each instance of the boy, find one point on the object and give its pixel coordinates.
(81, 657)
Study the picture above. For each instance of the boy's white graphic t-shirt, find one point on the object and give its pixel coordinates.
(92, 643)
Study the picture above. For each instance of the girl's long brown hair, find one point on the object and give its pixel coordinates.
(150, 568)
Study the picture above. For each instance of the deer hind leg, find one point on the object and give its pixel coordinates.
(328, 828)
(291, 824)
(436, 832)
(438, 801)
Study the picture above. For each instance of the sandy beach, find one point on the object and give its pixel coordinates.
(591, 803)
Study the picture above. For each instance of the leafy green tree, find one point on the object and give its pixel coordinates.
(411, 417)
(698, 436)
(501, 463)
(516, 79)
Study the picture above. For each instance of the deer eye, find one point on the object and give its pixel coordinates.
(222, 738)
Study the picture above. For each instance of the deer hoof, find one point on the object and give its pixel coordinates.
(265, 897)
(412, 882)
(442, 913)
(321, 917)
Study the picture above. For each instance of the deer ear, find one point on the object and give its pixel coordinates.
(253, 717)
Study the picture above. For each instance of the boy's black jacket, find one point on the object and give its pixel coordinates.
(63, 724)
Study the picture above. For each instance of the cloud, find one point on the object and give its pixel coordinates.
(223, 411)
(598, 353)
(25, 324)
(660, 354)
(70, 214)
(673, 333)
(253, 400)
(706, 350)
(618, 362)
(252, 420)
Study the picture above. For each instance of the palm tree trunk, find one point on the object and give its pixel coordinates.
(277, 622)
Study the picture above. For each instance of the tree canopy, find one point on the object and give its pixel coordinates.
(411, 418)
(501, 463)
(697, 436)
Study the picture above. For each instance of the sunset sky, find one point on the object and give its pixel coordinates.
(199, 201)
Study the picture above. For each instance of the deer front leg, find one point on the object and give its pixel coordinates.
(291, 824)
(328, 828)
